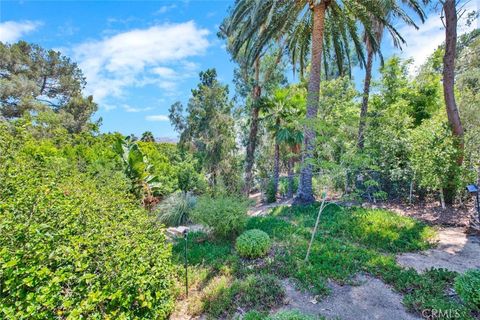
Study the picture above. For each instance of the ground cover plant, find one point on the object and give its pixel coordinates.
(348, 241)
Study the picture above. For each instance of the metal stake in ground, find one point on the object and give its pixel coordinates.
(186, 262)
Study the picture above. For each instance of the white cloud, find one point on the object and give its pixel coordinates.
(165, 72)
(422, 42)
(129, 108)
(165, 8)
(157, 117)
(12, 31)
(157, 55)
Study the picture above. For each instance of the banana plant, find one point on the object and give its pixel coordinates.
(137, 168)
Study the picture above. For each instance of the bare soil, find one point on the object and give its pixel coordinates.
(430, 213)
(370, 298)
(455, 251)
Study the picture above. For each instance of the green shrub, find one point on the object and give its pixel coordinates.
(254, 315)
(75, 244)
(467, 287)
(291, 315)
(283, 186)
(270, 195)
(176, 208)
(253, 244)
(225, 215)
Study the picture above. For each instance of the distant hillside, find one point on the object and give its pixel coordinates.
(167, 139)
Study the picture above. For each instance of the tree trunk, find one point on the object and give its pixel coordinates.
(276, 167)
(366, 93)
(305, 191)
(291, 178)
(449, 73)
(252, 137)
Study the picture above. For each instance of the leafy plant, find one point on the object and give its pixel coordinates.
(225, 215)
(176, 208)
(270, 192)
(253, 244)
(138, 169)
(467, 286)
(74, 243)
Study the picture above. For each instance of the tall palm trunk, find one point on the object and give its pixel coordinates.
(449, 72)
(252, 137)
(453, 115)
(276, 159)
(276, 167)
(305, 191)
(366, 93)
(290, 177)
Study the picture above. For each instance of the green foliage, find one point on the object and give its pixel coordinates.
(74, 242)
(467, 287)
(225, 215)
(203, 250)
(283, 185)
(176, 208)
(137, 168)
(258, 292)
(187, 177)
(36, 79)
(208, 127)
(254, 315)
(292, 315)
(167, 162)
(270, 192)
(147, 136)
(434, 155)
(253, 243)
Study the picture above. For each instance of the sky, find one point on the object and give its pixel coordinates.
(139, 57)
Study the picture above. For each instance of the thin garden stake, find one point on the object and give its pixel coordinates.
(186, 265)
(322, 206)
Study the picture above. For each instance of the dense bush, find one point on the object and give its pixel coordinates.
(74, 243)
(225, 215)
(176, 208)
(253, 244)
(467, 286)
(270, 195)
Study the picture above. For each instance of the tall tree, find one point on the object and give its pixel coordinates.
(377, 28)
(208, 127)
(293, 19)
(32, 78)
(450, 11)
(285, 108)
(147, 136)
(257, 81)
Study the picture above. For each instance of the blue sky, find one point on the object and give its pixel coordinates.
(139, 57)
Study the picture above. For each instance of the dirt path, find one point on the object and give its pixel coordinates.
(455, 251)
(371, 299)
(260, 208)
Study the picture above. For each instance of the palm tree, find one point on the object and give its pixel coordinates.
(256, 92)
(286, 107)
(292, 20)
(147, 136)
(377, 27)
